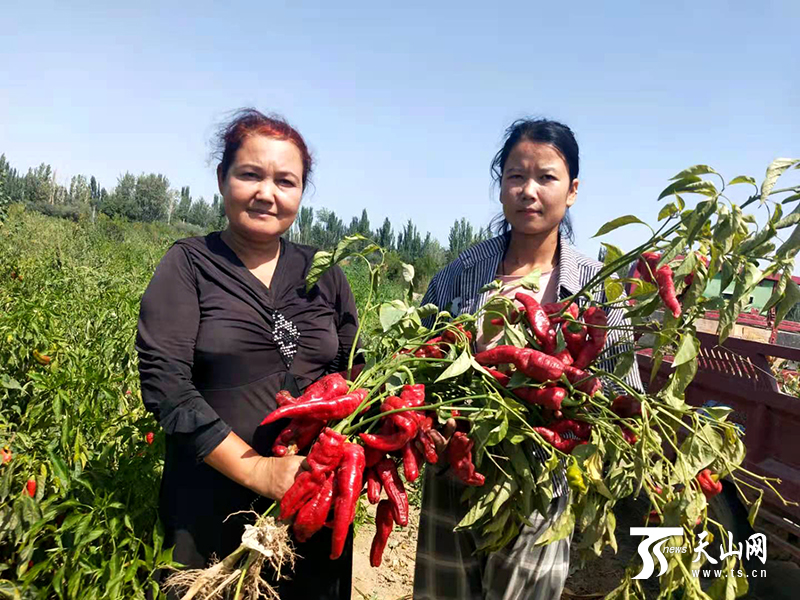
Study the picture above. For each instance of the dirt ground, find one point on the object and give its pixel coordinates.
(394, 579)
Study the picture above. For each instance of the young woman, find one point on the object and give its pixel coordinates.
(224, 325)
(537, 172)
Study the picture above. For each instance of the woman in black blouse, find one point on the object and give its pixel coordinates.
(225, 324)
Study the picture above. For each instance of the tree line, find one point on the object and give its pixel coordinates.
(150, 198)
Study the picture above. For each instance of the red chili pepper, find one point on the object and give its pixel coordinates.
(554, 308)
(430, 349)
(533, 363)
(450, 336)
(323, 458)
(336, 408)
(384, 523)
(326, 453)
(459, 455)
(538, 319)
(596, 321)
(663, 278)
(647, 266)
(374, 486)
(499, 355)
(406, 429)
(688, 280)
(149, 437)
(629, 436)
(581, 429)
(283, 398)
(413, 395)
(425, 424)
(564, 356)
(395, 490)
(330, 386)
(540, 324)
(626, 407)
(30, 487)
(411, 461)
(549, 397)
(311, 517)
(5, 455)
(557, 442)
(501, 377)
(349, 478)
(583, 380)
(666, 289)
(575, 339)
(538, 365)
(708, 485)
(373, 456)
(296, 436)
(42, 359)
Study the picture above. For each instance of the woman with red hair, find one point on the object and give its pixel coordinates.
(225, 323)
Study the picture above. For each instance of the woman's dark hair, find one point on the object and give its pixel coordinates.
(248, 121)
(543, 131)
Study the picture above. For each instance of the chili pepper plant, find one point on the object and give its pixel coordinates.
(556, 382)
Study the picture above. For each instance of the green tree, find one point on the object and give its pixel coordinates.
(122, 200)
(39, 185)
(80, 192)
(4, 198)
(385, 236)
(219, 220)
(409, 243)
(460, 237)
(363, 224)
(328, 230)
(184, 205)
(302, 229)
(200, 213)
(152, 197)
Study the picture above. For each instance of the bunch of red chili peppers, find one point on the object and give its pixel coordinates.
(338, 468)
(555, 367)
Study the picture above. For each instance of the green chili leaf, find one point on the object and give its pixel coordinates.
(508, 487)
(742, 179)
(777, 293)
(688, 349)
(695, 170)
(321, 262)
(616, 223)
(625, 361)
(457, 367)
(753, 513)
(791, 297)
(668, 211)
(531, 280)
(492, 286)
(690, 185)
(775, 170)
(391, 313)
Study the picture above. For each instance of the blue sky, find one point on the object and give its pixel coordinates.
(405, 107)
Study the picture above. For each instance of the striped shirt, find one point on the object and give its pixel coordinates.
(446, 566)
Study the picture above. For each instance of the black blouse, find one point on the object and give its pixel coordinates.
(215, 345)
